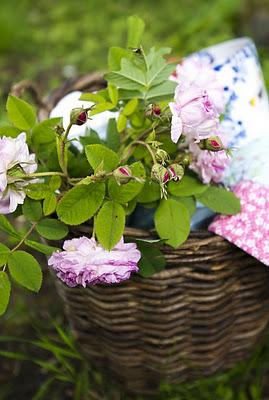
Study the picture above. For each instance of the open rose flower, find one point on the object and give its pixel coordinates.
(85, 262)
(198, 102)
(196, 71)
(14, 159)
(210, 166)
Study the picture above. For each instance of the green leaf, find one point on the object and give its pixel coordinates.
(188, 186)
(110, 224)
(81, 203)
(101, 107)
(113, 137)
(150, 192)
(130, 94)
(121, 122)
(130, 107)
(6, 226)
(126, 192)
(10, 131)
(25, 270)
(4, 252)
(44, 132)
(99, 155)
(91, 137)
(159, 70)
(32, 210)
(136, 28)
(20, 113)
(152, 260)
(130, 206)
(220, 200)
(42, 248)
(38, 191)
(113, 94)
(137, 120)
(94, 97)
(172, 222)
(128, 77)
(49, 204)
(5, 289)
(188, 202)
(51, 229)
(161, 92)
(55, 182)
(115, 55)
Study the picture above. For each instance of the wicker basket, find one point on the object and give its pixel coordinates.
(202, 314)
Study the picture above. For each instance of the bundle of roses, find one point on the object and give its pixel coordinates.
(163, 150)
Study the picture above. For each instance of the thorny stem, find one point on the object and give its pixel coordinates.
(63, 141)
(128, 148)
(93, 178)
(148, 148)
(41, 174)
(67, 132)
(24, 237)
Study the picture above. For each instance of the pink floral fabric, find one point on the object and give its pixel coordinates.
(249, 229)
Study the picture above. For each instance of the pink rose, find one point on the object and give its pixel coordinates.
(210, 166)
(198, 101)
(85, 262)
(14, 157)
(194, 71)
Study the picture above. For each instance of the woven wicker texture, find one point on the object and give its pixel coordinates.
(202, 314)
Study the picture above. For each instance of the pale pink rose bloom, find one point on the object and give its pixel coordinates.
(85, 262)
(14, 153)
(210, 166)
(199, 100)
(195, 71)
(192, 114)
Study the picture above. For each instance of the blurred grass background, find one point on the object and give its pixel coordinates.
(49, 41)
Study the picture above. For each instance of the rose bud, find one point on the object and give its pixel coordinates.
(78, 116)
(153, 110)
(213, 143)
(185, 159)
(122, 174)
(176, 172)
(162, 156)
(160, 174)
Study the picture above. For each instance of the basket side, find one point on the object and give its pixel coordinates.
(203, 314)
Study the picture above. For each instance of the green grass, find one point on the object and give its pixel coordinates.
(60, 372)
(50, 41)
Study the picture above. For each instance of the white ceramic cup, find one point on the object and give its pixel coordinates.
(246, 119)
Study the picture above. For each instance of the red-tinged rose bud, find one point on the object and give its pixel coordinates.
(160, 174)
(78, 116)
(176, 172)
(166, 177)
(156, 110)
(213, 143)
(153, 110)
(122, 174)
